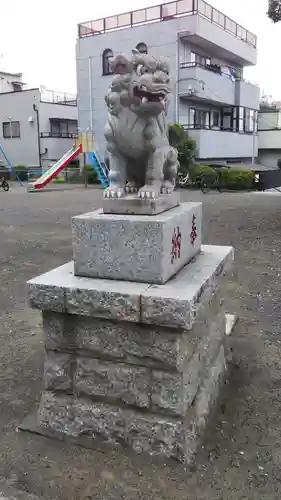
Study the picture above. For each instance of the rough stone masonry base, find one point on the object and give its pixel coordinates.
(130, 363)
(136, 248)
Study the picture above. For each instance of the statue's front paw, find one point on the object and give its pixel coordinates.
(149, 192)
(167, 187)
(111, 192)
(131, 188)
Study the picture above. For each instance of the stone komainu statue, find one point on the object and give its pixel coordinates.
(140, 156)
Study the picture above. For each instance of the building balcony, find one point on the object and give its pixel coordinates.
(269, 139)
(196, 19)
(221, 144)
(217, 41)
(201, 83)
(247, 94)
(217, 85)
(58, 135)
(54, 97)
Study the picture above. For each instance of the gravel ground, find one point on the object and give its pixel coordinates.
(242, 455)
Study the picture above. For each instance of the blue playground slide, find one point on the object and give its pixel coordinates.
(10, 165)
(99, 168)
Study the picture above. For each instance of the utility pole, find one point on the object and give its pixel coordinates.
(255, 135)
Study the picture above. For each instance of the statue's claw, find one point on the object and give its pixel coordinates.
(149, 192)
(130, 188)
(167, 187)
(114, 192)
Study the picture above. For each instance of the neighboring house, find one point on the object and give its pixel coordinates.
(269, 134)
(207, 53)
(10, 82)
(36, 128)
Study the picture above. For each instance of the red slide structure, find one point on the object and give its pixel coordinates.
(52, 172)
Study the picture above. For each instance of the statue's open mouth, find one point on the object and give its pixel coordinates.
(146, 96)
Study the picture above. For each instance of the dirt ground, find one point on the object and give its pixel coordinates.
(241, 458)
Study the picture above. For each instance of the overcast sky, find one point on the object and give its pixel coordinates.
(37, 38)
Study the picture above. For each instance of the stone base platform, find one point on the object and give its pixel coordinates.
(138, 248)
(132, 204)
(130, 363)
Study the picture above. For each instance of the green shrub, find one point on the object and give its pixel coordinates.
(198, 171)
(231, 178)
(238, 179)
(92, 175)
(21, 171)
(59, 180)
(185, 145)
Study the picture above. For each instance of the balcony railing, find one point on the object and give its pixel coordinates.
(214, 68)
(218, 128)
(58, 97)
(58, 135)
(164, 12)
(232, 73)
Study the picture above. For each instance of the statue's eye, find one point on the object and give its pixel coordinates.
(139, 70)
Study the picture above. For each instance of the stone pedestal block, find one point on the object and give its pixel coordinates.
(138, 248)
(132, 204)
(132, 363)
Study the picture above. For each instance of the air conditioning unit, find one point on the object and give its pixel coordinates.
(190, 89)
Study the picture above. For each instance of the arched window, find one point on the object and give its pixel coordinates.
(142, 48)
(107, 55)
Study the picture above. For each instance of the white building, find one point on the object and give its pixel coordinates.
(207, 51)
(36, 127)
(269, 134)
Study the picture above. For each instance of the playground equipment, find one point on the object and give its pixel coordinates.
(84, 144)
(10, 165)
(52, 172)
(100, 168)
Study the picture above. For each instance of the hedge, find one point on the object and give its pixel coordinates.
(79, 177)
(231, 178)
(59, 180)
(21, 171)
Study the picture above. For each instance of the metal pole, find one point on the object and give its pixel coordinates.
(177, 81)
(255, 131)
(85, 171)
(90, 93)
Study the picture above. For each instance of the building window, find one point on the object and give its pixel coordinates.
(11, 130)
(142, 48)
(202, 119)
(107, 56)
(191, 117)
(215, 119)
(227, 118)
(249, 120)
(198, 60)
(62, 128)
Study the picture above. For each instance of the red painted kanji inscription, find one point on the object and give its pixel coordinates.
(193, 234)
(176, 245)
